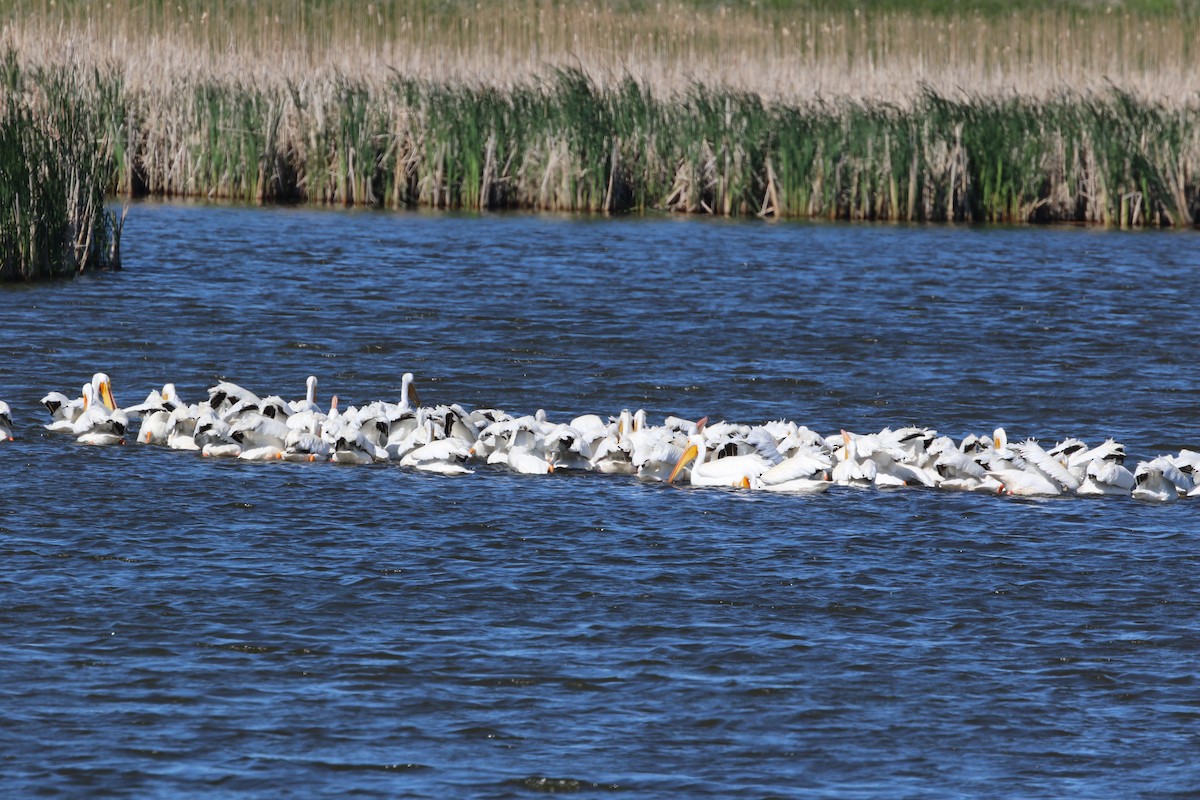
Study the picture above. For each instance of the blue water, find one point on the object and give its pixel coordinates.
(173, 626)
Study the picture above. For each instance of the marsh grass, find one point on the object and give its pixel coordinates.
(788, 109)
(53, 179)
(564, 143)
(783, 50)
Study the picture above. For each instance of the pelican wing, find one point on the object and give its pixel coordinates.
(803, 464)
(1051, 466)
(1111, 474)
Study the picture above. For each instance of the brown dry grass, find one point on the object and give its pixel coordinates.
(786, 55)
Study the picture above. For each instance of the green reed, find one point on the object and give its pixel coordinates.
(564, 143)
(53, 177)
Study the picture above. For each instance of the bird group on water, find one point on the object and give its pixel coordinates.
(780, 456)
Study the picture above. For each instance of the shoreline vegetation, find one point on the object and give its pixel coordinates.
(916, 111)
(53, 182)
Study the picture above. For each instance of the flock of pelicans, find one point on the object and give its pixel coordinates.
(233, 422)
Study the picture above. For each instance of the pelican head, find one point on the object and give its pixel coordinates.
(408, 392)
(690, 452)
(102, 390)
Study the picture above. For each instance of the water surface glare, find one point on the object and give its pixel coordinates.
(173, 626)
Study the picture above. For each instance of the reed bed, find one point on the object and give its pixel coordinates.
(53, 178)
(566, 144)
(783, 50)
(781, 109)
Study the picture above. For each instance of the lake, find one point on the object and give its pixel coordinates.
(177, 626)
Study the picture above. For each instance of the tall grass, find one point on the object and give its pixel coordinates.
(53, 178)
(565, 143)
(784, 108)
(784, 50)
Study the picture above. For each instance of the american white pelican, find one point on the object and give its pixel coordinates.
(804, 470)
(655, 451)
(100, 425)
(226, 398)
(1024, 469)
(865, 459)
(1101, 469)
(181, 427)
(409, 401)
(1038, 460)
(261, 437)
(958, 466)
(567, 448)
(446, 456)
(215, 437)
(731, 471)
(155, 413)
(309, 403)
(304, 445)
(64, 410)
(6, 425)
(1106, 478)
(102, 391)
(518, 443)
(1160, 481)
(1188, 462)
(350, 445)
(612, 450)
(525, 461)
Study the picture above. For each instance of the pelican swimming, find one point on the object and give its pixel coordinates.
(101, 423)
(446, 456)
(155, 413)
(304, 445)
(214, 436)
(6, 424)
(736, 471)
(805, 470)
(1160, 480)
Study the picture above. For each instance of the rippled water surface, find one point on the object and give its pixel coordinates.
(176, 626)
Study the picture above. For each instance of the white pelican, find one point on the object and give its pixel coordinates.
(852, 467)
(309, 403)
(228, 398)
(155, 413)
(1160, 480)
(803, 471)
(655, 451)
(445, 456)
(302, 445)
(181, 427)
(409, 401)
(1188, 462)
(64, 410)
(567, 448)
(518, 443)
(958, 466)
(521, 459)
(350, 446)
(1106, 478)
(1101, 470)
(730, 472)
(6, 434)
(1020, 476)
(1037, 459)
(612, 451)
(261, 437)
(215, 437)
(99, 424)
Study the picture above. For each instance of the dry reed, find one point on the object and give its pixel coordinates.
(789, 112)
